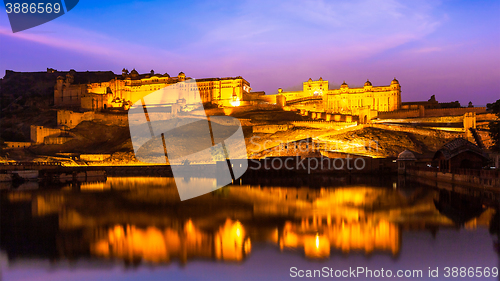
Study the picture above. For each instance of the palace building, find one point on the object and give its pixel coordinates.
(124, 90)
(348, 100)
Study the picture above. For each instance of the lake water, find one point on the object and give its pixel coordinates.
(136, 228)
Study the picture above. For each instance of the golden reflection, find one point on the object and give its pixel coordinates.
(345, 236)
(155, 245)
(94, 186)
(347, 219)
(316, 247)
(230, 241)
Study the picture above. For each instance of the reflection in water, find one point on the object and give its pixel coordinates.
(141, 219)
(345, 236)
(458, 207)
(156, 245)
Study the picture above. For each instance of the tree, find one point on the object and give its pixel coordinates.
(495, 125)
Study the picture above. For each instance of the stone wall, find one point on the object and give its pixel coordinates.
(324, 124)
(17, 144)
(477, 178)
(56, 140)
(424, 132)
(39, 133)
(453, 111)
(111, 119)
(445, 119)
(245, 122)
(71, 119)
(271, 129)
(94, 157)
(242, 109)
(486, 117)
(408, 113)
(435, 112)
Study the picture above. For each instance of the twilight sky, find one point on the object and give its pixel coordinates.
(447, 48)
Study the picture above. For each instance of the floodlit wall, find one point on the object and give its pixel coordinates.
(94, 157)
(38, 133)
(17, 144)
(71, 119)
(324, 124)
(271, 129)
(435, 112)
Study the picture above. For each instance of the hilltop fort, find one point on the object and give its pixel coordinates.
(49, 112)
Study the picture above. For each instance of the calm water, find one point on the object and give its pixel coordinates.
(138, 229)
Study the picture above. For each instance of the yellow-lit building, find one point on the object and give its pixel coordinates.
(348, 100)
(126, 89)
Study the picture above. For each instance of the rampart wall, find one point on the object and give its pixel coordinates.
(39, 133)
(323, 124)
(271, 129)
(424, 132)
(71, 119)
(407, 113)
(435, 112)
(112, 119)
(95, 157)
(17, 144)
(241, 109)
(56, 140)
(446, 119)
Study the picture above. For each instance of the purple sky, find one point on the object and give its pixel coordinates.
(447, 48)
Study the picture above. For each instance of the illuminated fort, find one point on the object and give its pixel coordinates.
(126, 89)
(348, 100)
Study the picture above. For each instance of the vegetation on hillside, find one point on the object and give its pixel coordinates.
(495, 125)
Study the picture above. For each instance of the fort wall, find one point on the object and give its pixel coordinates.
(419, 131)
(56, 140)
(271, 129)
(324, 124)
(407, 113)
(111, 119)
(94, 157)
(486, 117)
(242, 109)
(39, 133)
(17, 144)
(435, 112)
(444, 119)
(71, 119)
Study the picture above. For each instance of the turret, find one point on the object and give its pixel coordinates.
(134, 73)
(181, 76)
(368, 85)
